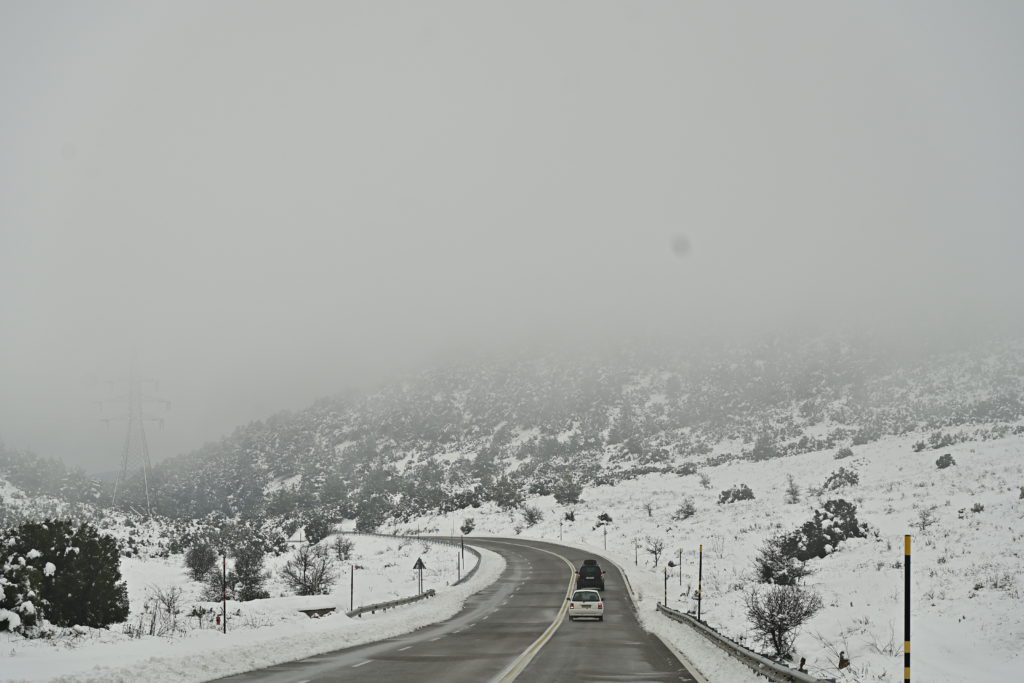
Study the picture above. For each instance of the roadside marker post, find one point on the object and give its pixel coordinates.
(224, 590)
(700, 577)
(906, 608)
(665, 599)
(680, 566)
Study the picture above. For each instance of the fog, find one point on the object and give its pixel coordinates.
(271, 202)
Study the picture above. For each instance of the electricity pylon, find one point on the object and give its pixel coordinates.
(135, 445)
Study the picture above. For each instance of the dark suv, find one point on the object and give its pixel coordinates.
(590, 576)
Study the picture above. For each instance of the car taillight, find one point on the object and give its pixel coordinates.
(572, 605)
(600, 605)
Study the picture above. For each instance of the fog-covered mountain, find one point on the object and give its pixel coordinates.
(466, 433)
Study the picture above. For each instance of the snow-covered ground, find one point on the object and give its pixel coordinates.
(968, 567)
(260, 632)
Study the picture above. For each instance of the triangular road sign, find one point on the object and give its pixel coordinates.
(419, 564)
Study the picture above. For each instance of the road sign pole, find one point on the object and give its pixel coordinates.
(680, 566)
(606, 538)
(665, 601)
(352, 588)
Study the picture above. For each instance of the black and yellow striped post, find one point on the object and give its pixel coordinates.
(906, 608)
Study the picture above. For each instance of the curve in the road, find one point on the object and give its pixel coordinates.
(512, 630)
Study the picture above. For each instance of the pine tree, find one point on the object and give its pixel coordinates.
(79, 580)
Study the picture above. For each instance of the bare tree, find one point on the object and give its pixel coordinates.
(655, 546)
(310, 571)
(792, 490)
(165, 603)
(777, 615)
(925, 518)
(648, 507)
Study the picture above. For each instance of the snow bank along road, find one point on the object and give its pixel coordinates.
(516, 627)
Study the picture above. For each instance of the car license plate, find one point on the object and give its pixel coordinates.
(586, 606)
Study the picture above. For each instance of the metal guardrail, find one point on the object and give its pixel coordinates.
(385, 606)
(772, 670)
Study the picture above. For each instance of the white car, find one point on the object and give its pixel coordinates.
(586, 604)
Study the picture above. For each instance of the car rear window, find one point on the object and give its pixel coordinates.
(590, 570)
(586, 596)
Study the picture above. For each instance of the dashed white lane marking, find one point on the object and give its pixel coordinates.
(356, 666)
(433, 639)
(403, 649)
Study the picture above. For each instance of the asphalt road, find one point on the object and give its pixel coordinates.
(486, 640)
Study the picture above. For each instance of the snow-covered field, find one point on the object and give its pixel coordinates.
(968, 567)
(260, 632)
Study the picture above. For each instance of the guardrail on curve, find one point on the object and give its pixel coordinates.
(385, 606)
(772, 670)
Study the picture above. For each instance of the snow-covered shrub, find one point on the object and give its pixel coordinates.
(200, 559)
(845, 452)
(736, 493)
(945, 461)
(468, 525)
(778, 562)
(834, 523)
(602, 519)
(506, 493)
(685, 510)
(531, 515)
(343, 547)
(777, 615)
(310, 571)
(570, 516)
(567, 490)
(318, 526)
(840, 478)
(705, 480)
(68, 574)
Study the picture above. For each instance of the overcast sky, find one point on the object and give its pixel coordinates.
(273, 202)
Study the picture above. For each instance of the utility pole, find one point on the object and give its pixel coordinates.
(136, 447)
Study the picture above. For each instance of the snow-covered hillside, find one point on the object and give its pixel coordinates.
(968, 561)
